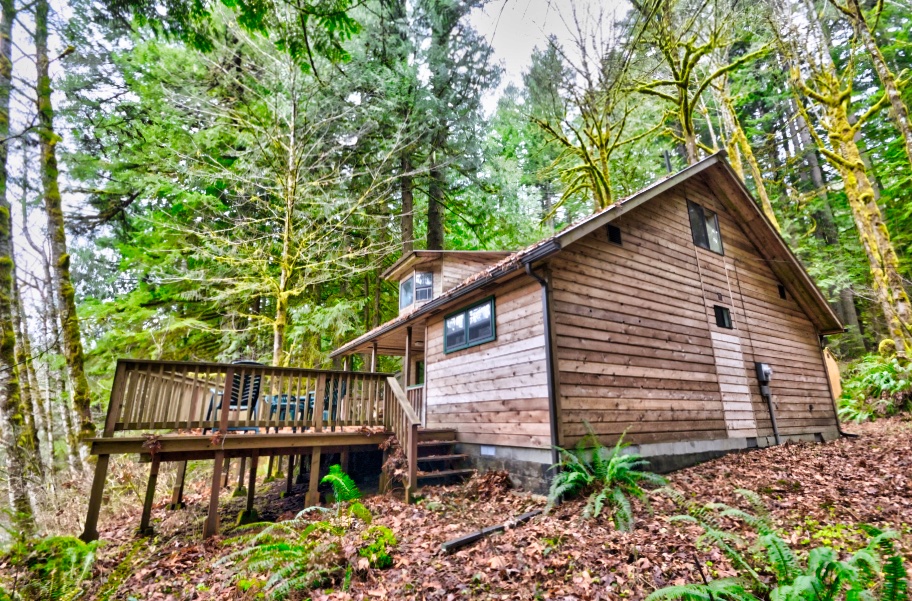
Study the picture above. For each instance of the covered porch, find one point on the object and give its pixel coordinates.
(400, 337)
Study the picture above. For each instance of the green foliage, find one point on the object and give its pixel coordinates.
(344, 488)
(56, 567)
(379, 541)
(303, 554)
(822, 576)
(608, 475)
(875, 387)
(727, 589)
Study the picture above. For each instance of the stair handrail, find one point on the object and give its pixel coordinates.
(404, 422)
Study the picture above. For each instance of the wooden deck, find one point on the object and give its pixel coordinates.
(168, 411)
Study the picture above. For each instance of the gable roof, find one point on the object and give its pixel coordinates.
(731, 192)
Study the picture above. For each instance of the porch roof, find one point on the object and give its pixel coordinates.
(732, 193)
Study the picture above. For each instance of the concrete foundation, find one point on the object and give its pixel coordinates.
(529, 469)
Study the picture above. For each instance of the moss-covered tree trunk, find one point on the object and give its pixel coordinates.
(899, 112)
(72, 339)
(31, 397)
(846, 157)
(16, 436)
(406, 192)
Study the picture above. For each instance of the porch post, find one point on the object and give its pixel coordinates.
(373, 362)
(407, 360)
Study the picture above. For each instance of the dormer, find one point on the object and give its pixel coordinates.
(424, 275)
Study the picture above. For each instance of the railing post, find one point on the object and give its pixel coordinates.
(319, 393)
(412, 458)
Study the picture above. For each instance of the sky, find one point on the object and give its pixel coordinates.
(515, 27)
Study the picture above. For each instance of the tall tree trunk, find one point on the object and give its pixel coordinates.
(72, 340)
(16, 437)
(740, 139)
(899, 112)
(407, 222)
(31, 399)
(875, 237)
(436, 191)
(58, 394)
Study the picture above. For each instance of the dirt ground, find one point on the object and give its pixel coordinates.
(817, 493)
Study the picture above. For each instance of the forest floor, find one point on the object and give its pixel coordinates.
(818, 494)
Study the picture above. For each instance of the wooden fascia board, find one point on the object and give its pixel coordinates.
(232, 443)
(783, 263)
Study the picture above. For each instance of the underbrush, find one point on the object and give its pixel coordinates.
(769, 568)
(875, 387)
(610, 477)
(306, 553)
(51, 568)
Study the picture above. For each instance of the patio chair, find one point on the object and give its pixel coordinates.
(245, 392)
(335, 390)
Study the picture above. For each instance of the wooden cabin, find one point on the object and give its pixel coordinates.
(651, 317)
(657, 317)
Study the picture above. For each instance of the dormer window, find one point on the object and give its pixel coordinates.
(416, 288)
(424, 286)
(406, 293)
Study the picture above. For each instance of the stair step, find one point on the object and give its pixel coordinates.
(444, 473)
(442, 457)
(437, 434)
(436, 443)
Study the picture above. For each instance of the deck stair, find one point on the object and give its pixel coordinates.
(436, 457)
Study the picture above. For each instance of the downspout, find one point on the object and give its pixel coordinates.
(839, 429)
(549, 363)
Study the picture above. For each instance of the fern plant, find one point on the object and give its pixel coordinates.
(56, 567)
(302, 554)
(875, 387)
(824, 576)
(608, 475)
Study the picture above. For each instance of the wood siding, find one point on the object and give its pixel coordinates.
(637, 343)
(494, 393)
(456, 269)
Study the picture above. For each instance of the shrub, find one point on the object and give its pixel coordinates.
(822, 576)
(379, 542)
(608, 475)
(302, 554)
(56, 567)
(875, 387)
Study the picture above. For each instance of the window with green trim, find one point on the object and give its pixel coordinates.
(470, 326)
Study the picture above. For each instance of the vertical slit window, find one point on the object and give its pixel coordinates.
(406, 296)
(614, 234)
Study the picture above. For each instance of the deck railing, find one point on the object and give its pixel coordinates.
(404, 421)
(415, 396)
(171, 395)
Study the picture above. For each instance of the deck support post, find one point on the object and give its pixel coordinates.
(407, 360)
(226, 473)
(250, 515)
(289, 477)
(343, 460)
(211, 526)
(145, 529)
(269, 477)
(240, 491)
(302, 475)
(177, 493)
(90, 532)
(313, 494)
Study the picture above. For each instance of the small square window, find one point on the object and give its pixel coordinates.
(782, 294)
(704, 225)
(424, 286)
(614, 234)
(723, 317)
